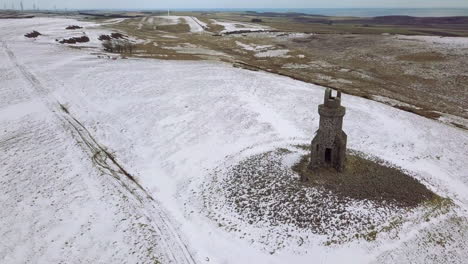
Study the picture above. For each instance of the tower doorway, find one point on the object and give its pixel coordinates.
(328, 155)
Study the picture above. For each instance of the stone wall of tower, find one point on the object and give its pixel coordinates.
(328, 148)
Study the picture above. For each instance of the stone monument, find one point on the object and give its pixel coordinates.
(328, 148)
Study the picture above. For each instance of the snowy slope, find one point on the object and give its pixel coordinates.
(171, 123)
(64, 199)
(231, 26)
(195, 24)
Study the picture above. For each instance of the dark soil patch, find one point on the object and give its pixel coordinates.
(75, 40)
(73, 27)
(112, 36)
(33, 34)
(264, 191)
(104, 37)
(118, 36)
(422, 112)
(423, 57)
(365, 179)
(237, 32)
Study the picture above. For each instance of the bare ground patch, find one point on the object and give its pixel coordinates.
(263, 192)
(423, 57)
(365, 179)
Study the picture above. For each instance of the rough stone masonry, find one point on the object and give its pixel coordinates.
(328, 148)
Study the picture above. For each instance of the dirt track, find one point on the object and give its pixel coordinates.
(172, 245)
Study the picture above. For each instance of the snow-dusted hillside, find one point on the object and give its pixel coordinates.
(233, 26)
(65, 114)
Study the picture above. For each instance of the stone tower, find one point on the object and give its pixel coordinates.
(328, 148)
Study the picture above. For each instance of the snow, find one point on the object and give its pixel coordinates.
(55, 204)
(189, 48)
(195, 24)
(164, 20)
(170, 124)
(450, 119)
(264, 51)
(253, 47)
(231, 26)
(295, 66)
(392, 102)
(452, 42)
(113, 21)
(273, 53)
(200, 25)
(169, 36)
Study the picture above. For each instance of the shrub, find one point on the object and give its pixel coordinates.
(73, 27)
(118, 46)
(75, 40)
(33, 34)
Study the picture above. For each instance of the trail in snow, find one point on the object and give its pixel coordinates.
(174, 248)
(172, 123)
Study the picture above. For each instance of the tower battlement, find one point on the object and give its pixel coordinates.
(330, 101)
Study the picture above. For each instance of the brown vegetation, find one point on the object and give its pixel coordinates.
(74, 40)
(33, 34)
(73, 27)
(104, 37)
(423, 57)
(118, 46)
(112, 36)
(365, 179)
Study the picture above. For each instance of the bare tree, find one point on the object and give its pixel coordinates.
(124, 47)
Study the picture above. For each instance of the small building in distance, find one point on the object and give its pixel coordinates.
(328, 148)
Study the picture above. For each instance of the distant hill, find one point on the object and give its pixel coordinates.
(12, 14)
(409, 20)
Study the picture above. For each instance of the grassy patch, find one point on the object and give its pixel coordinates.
(365, 179)
(178, 28)
(423, 57)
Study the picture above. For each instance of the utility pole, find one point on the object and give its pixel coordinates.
(21, 5)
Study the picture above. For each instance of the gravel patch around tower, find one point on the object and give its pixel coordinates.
(263, 191)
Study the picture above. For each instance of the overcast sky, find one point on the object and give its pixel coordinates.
(110, 4)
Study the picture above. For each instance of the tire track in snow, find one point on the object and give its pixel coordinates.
(174, 248)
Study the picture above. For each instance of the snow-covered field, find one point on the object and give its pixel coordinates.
(453, 42)
(232, 26)
(194, 23)
(264, 51)
(64, 113)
